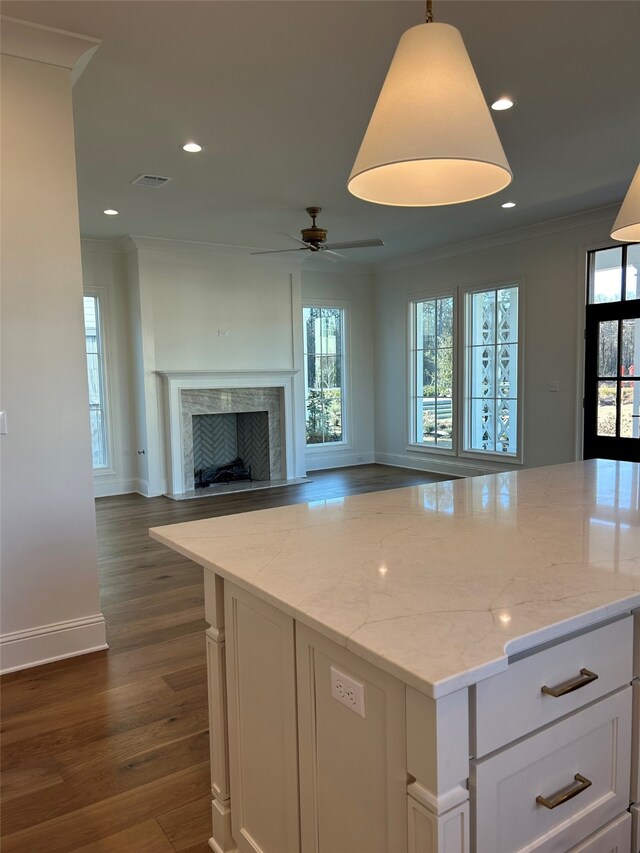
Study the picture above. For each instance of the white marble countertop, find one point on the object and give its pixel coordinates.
(438, 584)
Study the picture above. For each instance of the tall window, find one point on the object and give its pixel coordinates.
(484, 407)
(95, 372)
(323, 329)
(491, 365)
(432, 404)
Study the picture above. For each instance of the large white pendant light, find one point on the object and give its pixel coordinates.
(627, 224)
(431, 139)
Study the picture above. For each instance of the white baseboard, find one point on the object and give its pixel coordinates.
(47, 643)
(320, 461)
(117, 487)
(144, 488)
(451, 465)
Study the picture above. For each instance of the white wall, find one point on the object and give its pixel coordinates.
(50, 602)
(353, 290)
(550, 260)
(183, 294)
(166, 303)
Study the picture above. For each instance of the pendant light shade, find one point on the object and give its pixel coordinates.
(627, 224)
(431, 139)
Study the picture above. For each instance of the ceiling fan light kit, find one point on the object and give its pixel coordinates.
(314, 235)
(431, 139)
(626, 228)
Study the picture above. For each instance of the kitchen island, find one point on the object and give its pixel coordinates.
(436, 668)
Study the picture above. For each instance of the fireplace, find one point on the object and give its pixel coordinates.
(220, 424)
(214, 418)
(230, 447)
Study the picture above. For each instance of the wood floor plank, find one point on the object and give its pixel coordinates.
(105, 723)
(186, 826)
(196, 848)
(107, 753)
(18, 782)
(124, 746)
(107, 817)
(92, 782)
(88, 704)
(184, 678)
(146, 837)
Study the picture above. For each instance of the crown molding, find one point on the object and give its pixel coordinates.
(503, 238)
(102, 247)
(167, 246)
(26, 40)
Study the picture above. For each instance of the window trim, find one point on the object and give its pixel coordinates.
(100, 294)
(410, 426)
(588, 250)
(345, 307)
(466, 292)
(583, 250)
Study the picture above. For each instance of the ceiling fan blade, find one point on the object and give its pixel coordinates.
(354, 244)
(278, 251)
(331, 256)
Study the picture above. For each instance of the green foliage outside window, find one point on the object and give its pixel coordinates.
(323, 350)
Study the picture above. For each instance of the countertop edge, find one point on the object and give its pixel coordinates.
(445, 686)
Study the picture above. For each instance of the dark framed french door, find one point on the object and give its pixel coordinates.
(612, 356)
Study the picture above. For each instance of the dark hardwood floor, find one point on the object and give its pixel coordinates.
(108, 753)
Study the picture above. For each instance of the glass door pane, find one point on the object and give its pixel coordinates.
(612, 355)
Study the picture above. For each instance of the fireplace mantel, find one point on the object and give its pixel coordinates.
(176, 381)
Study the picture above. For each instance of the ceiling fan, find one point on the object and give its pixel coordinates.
(314, 240)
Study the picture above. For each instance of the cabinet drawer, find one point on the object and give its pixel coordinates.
(615, 837)
(595, 743)
(512, 704)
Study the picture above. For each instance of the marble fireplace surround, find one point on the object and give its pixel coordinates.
(219, 392)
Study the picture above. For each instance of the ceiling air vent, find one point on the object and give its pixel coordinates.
(150, 181)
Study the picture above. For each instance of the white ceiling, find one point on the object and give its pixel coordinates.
(280, 93)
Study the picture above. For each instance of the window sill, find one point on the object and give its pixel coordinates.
(511, 458)
(329, 445)
(103, 472)
(425, 448)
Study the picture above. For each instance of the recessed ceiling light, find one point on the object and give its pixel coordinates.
(509, 204)
(192, 147)
(502, 104)
(110, 212)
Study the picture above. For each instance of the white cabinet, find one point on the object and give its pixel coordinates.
(615, 837)
(479, 770)
(552, 744)
(353, 767)
(574, 673)
(261, 690)
(558, 785)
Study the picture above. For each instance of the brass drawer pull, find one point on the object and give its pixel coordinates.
(586, 677)
(565, 794)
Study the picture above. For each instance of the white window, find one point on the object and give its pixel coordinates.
(95, 373)
(432, 377)
(491, 408)
(484, 409)
(324, 371)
